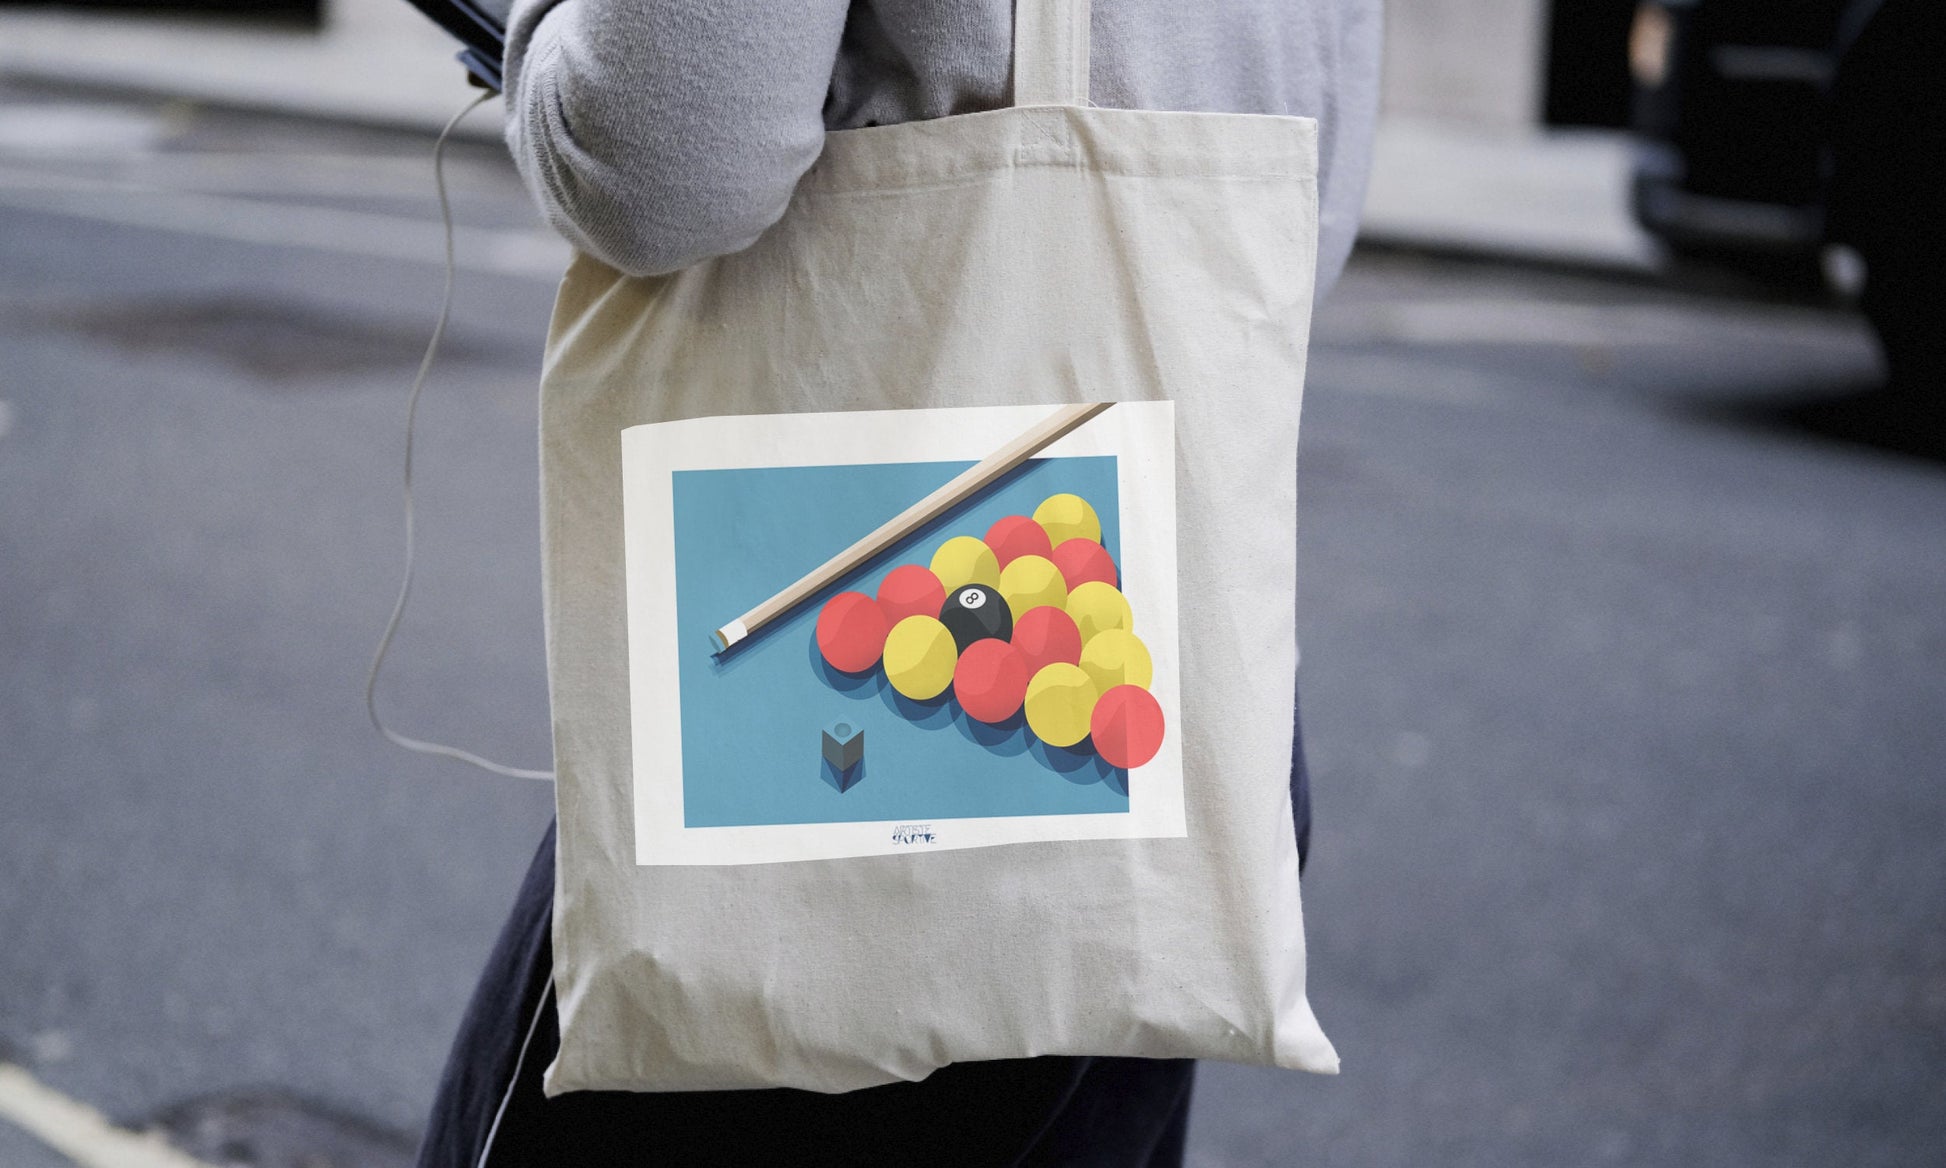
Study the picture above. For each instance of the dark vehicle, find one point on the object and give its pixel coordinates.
(1790, 138)
(1729, 105)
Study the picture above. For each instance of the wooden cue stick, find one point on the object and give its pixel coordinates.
(1030, 442)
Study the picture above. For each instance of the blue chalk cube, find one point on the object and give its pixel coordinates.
(844, 746)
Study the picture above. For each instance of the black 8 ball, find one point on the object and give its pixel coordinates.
(975, 613)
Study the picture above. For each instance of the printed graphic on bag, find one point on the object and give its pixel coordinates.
(1030, 642)
(1001, 671)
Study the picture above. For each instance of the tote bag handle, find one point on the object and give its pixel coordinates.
(1051, 52)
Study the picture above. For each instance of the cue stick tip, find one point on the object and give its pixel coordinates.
(721, 639)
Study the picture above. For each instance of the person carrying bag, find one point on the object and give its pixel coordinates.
(920, 612)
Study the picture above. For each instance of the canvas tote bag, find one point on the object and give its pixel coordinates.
(773, 871)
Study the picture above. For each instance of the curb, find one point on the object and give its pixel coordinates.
(1690, 277)
(1386, 241)
(477, 129)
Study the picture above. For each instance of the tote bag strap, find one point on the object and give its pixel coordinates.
(1050, 52)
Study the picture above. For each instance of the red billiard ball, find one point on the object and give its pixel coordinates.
(990, 680)
(851, 632)
(1082, 560)
(1015, 536)
(910, 590)
(1045, 635)
(1126, 726)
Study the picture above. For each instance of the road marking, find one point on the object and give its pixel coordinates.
(75, 130)
(258, 172)
(395, 237)
(78, 1131)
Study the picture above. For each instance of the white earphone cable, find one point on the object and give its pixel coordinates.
(411, 417)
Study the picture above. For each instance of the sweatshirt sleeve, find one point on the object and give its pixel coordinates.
(1349, 121)
(656, 133)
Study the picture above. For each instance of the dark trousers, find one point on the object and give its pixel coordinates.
(1056, 1110)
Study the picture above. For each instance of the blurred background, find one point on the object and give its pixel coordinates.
(1624, 634)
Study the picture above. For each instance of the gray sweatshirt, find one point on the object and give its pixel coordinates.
(655, 133)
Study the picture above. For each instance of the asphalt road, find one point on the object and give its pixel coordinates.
(1624, 670)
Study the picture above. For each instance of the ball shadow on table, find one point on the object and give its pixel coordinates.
(1007, 738)
(854, 685)
(933, 713)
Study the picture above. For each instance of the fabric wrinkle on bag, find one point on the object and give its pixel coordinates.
(998, 265)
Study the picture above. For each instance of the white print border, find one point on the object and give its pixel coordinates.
(1141, 436)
